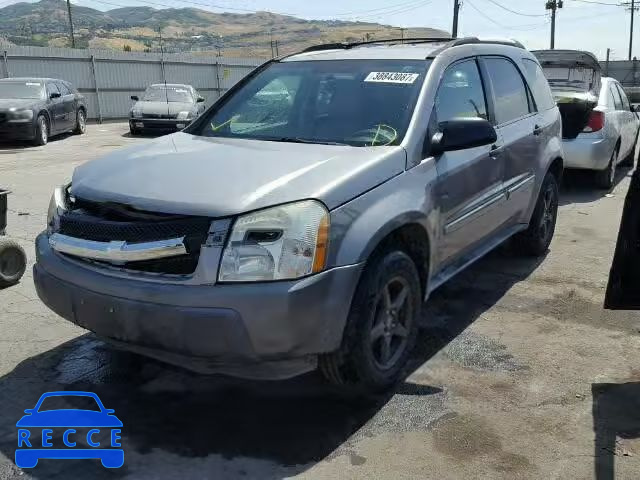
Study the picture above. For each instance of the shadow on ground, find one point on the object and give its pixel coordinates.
(289, 425)
(578, 186)
(616, 417)
(8, 147)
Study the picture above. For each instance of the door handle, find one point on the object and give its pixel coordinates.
(537, 130)
(496, 150)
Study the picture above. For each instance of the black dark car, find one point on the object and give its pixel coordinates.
(38, 108)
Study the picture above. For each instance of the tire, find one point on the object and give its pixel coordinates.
(134, 131)
(81, 122)
(630, 159)
(13, 262)
(42, 131)
(381, 328)
(606, 178)
(535, 240)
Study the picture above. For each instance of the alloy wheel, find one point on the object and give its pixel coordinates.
(391, 323)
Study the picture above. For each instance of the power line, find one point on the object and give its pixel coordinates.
(388, 7)
(595, 2)
(498, 24)
(516, 12)
(397, 11)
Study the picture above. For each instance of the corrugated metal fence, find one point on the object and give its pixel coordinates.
(109, 78)
(627, 73)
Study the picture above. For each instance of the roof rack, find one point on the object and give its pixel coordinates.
(476, 40)
(348, 45)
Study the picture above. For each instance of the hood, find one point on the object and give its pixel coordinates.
(7, 103)
(190, 175)
(157, 108)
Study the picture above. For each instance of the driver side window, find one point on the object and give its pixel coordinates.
(461, 93)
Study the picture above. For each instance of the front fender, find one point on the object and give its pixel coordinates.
(359, 226)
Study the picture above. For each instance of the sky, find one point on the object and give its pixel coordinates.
(593, 25)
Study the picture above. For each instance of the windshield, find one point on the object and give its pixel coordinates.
(32, 90)
(169, 94)
(354, 102)
(79, 402)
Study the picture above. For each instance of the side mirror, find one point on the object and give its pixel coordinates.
(463, 133)
(135, 98)
(54, 95)
(200, 99)
(633, 108)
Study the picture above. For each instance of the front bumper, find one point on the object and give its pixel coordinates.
(164, 124)
(207, 325)
(17, 131)
(589, 153)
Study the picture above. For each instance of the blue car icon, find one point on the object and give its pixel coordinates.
(33, 446)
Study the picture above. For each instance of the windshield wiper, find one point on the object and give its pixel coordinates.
(304, 140)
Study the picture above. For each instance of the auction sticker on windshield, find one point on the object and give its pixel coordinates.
(392, 77)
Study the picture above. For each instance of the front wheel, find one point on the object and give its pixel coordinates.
(81, 122)
(535, 240)
(41, 136)
(381, 328)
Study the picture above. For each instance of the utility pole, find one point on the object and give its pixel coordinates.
(456, 13)
(73, 40)
(632, 7)
(553, 5)
(606, 65)
(402, 29)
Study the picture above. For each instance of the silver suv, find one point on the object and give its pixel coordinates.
(304, 218)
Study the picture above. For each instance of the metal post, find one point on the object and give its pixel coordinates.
(606, 65)
(218, 86)
(553, 27)
(95, 84)
(633, 9)
(456, 12)
(73, 40)
(6, 64)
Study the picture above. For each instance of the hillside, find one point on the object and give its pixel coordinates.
(183, 29)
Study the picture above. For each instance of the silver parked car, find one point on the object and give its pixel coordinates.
(600, 127)
(305, 217)
(165, 107)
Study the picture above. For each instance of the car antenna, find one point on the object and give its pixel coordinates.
(164, 76)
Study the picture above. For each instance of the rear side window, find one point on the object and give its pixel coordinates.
(539, 85)
(461, 93)
(511, 97)
(616, 97)
(623, 97)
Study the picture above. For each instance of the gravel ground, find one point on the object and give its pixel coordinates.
(519, 374)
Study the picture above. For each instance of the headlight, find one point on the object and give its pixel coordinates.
(57, 205)
(135, 113)
(279, 243)
(20, 115)
(184, 115)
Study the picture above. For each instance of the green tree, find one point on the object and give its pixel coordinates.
(127, 48)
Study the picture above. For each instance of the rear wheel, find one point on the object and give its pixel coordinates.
(535, 240)
(606, 178)
(382, 326)
(41, 136)
(630, 159)
(13, 262)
